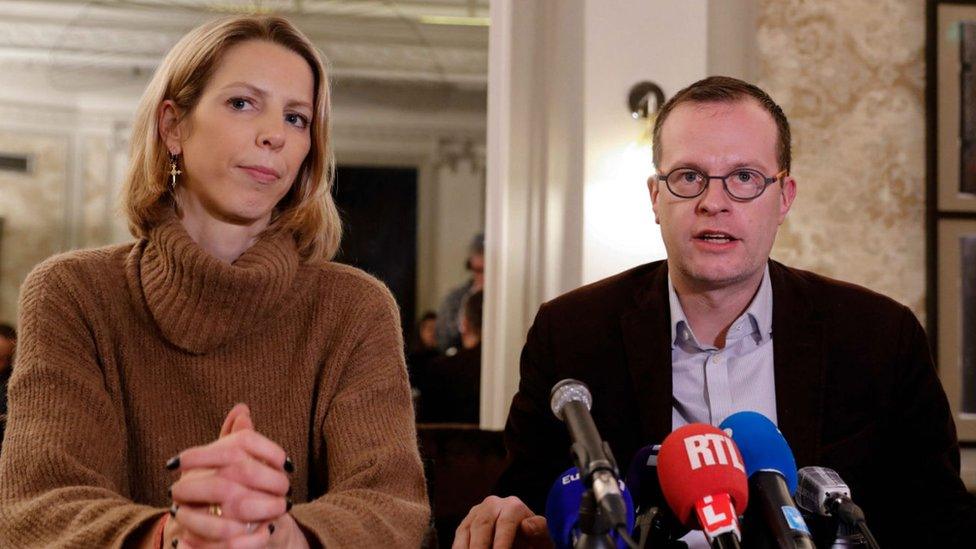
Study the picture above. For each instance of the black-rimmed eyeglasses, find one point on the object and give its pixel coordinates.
(740, 184)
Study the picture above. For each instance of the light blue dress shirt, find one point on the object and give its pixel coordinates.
(710, 384)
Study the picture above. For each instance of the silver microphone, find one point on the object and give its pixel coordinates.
(570, 401)
(822, 491)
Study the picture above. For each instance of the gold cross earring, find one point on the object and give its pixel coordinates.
(173, 171)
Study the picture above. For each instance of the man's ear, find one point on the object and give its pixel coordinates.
(655, 191)
(169, 120)
(787, 196)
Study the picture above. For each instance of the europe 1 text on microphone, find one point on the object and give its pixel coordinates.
(563, 511)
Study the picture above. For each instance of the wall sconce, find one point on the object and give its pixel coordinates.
(618, 225)
(645, 99)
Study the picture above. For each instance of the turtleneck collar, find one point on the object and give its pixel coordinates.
(200, 302)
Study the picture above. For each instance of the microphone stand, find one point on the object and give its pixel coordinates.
(594, 527)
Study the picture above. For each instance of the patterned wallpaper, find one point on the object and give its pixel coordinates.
(850, 75)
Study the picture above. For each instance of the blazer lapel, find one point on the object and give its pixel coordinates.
(646, 333)
(798, 363)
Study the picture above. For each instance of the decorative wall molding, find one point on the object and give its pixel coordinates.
(42, 116)
(97, 41)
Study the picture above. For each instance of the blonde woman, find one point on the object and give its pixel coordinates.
(218, 382)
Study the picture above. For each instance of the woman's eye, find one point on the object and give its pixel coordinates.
(297, 120)
(238, 103)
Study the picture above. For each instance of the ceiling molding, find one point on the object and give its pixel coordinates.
(89, 42)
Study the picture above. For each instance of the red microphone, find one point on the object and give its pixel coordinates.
(704, 481)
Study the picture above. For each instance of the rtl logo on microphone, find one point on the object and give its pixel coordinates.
(716, 514)
(712, 449)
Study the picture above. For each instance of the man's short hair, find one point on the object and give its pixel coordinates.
(725, 89)
(8, 331)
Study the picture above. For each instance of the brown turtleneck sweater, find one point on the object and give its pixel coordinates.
(130, 354)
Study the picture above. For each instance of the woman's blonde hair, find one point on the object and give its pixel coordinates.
(307, 210)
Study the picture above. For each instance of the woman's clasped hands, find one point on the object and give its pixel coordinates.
(232, 493)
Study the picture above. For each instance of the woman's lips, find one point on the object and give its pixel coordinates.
(262, 174)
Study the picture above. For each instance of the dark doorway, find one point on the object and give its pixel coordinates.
(379, 215)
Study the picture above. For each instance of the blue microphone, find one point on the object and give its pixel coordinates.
(563, 512)
(771, 469)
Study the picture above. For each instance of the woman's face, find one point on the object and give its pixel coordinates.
(246, 139)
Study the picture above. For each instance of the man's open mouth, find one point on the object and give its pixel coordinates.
(716, 237)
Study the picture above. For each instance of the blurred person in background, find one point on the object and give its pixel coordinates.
(422, 346)
(449, 312)
(218, 382)
(8, 344)
(452, 388)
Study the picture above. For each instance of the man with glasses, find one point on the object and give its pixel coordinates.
(718, 328)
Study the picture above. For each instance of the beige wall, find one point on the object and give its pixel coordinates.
(850, 76)
(32, 207)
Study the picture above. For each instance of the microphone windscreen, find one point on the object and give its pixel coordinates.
(642, 478)
(697, 461)
(816, 485)
(762, 445)
(562, 509)
(645, 489)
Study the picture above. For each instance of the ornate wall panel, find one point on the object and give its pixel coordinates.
(850, 76)
(33, 208)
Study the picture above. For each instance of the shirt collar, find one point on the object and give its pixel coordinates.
(759, 315)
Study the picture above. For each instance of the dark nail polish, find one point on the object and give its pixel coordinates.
(288, 504)
(172, 509)
(289, 465)
(173, 463)
(271, 528)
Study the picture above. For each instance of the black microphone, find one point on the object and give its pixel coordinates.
(570, 401)
(657, 526)
(822, 491)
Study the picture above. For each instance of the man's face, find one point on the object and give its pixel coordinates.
(428, 332)
(476, 264)
(716, 139)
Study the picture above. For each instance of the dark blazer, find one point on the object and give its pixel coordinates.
(856, 391)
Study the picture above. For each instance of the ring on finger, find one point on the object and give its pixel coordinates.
(215, 510)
